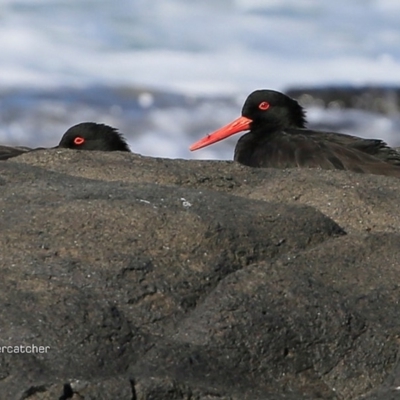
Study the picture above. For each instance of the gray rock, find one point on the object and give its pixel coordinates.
(377, 99)
(171, 279)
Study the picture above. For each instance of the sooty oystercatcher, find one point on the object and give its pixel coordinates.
(278, 138)
(84, 136)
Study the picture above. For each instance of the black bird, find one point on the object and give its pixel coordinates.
(278, 138)
(84, 136)
(92, 136)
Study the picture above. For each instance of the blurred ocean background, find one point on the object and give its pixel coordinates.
(167, 72)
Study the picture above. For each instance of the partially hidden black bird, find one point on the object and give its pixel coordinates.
(84, 136)
(92, 136)
(278, 138)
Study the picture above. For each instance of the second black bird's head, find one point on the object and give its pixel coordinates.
(92, 136)
(263, 111)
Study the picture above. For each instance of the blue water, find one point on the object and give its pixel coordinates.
(166, 72)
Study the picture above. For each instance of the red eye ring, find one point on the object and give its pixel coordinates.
(79, 140)
(264, 105)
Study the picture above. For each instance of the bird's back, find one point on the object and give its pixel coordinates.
(302, 148)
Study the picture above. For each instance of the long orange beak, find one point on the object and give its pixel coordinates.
(238, 125)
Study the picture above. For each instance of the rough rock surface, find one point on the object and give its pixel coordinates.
(175, 279)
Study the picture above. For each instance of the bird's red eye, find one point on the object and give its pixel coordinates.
(79, 140)
(263, 105)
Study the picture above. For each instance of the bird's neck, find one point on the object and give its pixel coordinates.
(296, 119)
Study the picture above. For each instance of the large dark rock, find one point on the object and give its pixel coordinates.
(385, 100)
(172, 279)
